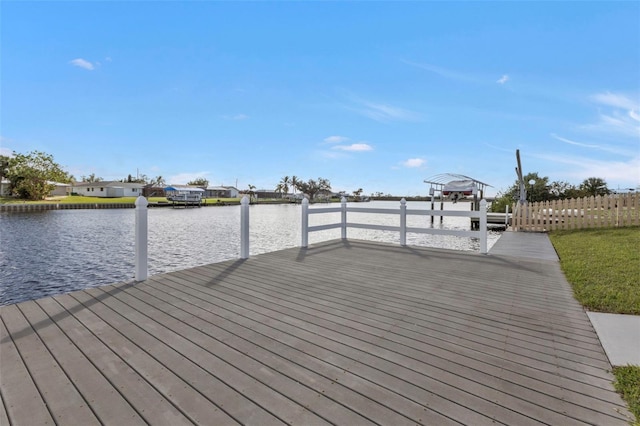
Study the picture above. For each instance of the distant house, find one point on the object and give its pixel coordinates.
(266, 194)
(110, 189)
(222, 192)
(60, 189)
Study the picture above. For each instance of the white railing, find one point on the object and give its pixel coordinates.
(403, 229)
(141, 237)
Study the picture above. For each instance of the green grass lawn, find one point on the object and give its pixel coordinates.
(628, 385)
(603, 266)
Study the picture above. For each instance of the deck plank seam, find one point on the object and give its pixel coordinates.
(34, 332)
(233, 367)
(88, 359)
(416, 371)
(76, 301)
(578, 310)
(116, 355)
(143, 349)
(537, 351)
(404, 344)
(470, 284)
(457, 344)
(342, 280)
(301, 366)
(351, 359)
(253, 283)
(26, 368)
(289, 285)
(294, 286)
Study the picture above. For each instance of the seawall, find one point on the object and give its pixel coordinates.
(62, 206)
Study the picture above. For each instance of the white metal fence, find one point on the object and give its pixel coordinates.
(402, 227)
(141, 237)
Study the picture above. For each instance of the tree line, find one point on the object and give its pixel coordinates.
(540, 189)
(311, 187)
(31, 175)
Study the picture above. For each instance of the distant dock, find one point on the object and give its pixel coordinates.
(344, 332)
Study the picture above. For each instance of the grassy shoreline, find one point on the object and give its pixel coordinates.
(603, 267)
(102, 200)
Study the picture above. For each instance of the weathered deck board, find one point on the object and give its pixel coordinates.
(340, 333)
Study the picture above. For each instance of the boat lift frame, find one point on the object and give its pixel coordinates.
(438, 182)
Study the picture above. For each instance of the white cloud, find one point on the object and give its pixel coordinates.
(606, 148)
(79, 62)
(616, 100)
(580, 168)
(616, 122)
(357, 147)
(236, 117)
(336, 139)
(414, 162)
(503, 79)
(620, 119)
(570, 142)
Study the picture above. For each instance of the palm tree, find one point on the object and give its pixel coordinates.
(283, 186)
(295, 182)
(251, 191)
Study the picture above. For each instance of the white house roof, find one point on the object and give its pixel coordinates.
(220, 188)
(58, 183)
(109, 184)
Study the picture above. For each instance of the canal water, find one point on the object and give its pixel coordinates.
(57, 251)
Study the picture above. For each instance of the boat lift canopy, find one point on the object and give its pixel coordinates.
(455, 186)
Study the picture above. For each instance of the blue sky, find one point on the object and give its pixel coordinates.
(372, 95)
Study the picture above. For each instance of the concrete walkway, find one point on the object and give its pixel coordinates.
(618, 334)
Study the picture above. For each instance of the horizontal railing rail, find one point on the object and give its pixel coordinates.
(141, 224)
(402, 228)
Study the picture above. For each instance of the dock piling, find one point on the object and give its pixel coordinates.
(142, 269)
(244, 228)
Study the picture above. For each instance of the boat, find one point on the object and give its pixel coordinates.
(457, 189)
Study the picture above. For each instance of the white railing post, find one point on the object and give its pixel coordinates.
(305, 222)
(403, 222)
(142, 269)
(343, 228)
(244, 228)
(506, 216)
(483, 226)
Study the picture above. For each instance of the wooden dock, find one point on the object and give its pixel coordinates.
(345, 332)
